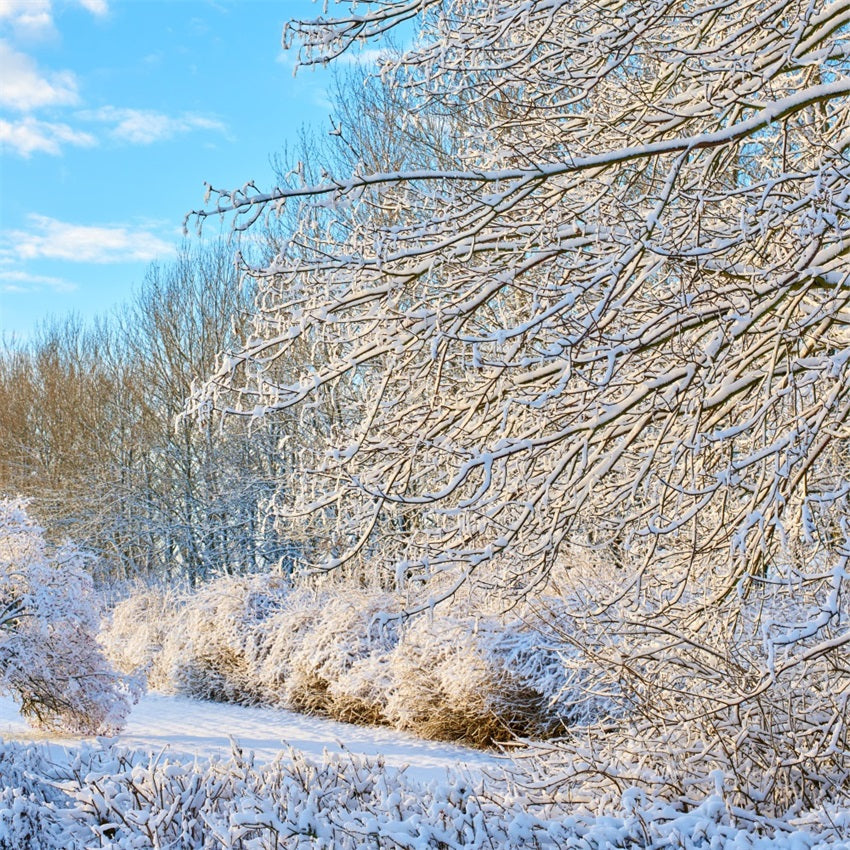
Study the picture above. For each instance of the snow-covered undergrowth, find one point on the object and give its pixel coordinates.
(622, 698)
(50, 660)
(342, 653)
(106, 796)
(751, 688)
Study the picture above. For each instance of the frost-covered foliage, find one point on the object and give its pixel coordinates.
(50, 660)
(343, 653)
(110, 797)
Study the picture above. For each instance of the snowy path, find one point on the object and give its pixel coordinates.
(192, 727)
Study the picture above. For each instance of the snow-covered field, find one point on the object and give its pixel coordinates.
(181, 726)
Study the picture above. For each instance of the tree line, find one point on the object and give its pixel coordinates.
(90, 431)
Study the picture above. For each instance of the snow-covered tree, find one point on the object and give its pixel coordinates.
(617, 321)
(621, 317)
(50, 660)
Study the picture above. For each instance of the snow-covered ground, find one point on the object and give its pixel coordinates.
(196, 728)
(78, 798)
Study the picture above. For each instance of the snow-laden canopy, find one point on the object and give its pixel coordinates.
(619, 318)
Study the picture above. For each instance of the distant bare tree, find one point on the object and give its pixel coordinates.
(88, 431)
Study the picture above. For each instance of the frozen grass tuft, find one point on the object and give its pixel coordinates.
(337, 665)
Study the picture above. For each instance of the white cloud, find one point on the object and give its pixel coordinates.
(24, 87)
(22, 282)
(96, 7)
(145, 126)
(29, 16)
(34, 18)
(30, 136)
(49, 238)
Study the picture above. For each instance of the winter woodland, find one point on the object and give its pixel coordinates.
(535, 382)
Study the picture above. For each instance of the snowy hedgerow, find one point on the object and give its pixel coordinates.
(329, 653)
(50, 660)
(255, 639)
(212, 653)
(341, 651)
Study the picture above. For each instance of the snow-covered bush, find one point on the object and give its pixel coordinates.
(213, 651)
(135, 633)
(255, 639)
(328, 653)
(340, 651)
(473, 679)
(50, 660)
(285, 633)
(27, 801)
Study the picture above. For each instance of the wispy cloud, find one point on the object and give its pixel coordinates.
(96, 7)
(368, 57)
(35, 17)
(23, 282)
(146, 126)
(49, 238)
(24, 87)
(30, 136)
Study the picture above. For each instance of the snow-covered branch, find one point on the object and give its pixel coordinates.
(617, 318)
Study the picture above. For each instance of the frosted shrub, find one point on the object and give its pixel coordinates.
(50, 660)
(457, 678)
(328, 654)
(136, 632)
(213, 654)
(557, 647)
(750, 695)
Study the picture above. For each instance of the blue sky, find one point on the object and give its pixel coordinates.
(112, 115)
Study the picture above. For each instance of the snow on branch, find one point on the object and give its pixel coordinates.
(614, 315)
